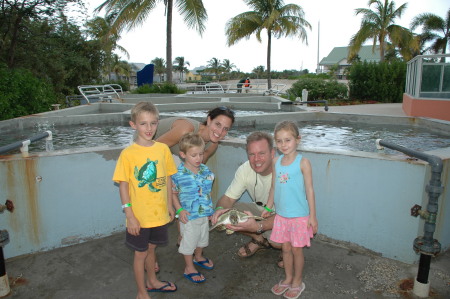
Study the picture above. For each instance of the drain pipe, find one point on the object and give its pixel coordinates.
(427, 246)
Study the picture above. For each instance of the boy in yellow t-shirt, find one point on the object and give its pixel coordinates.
(143, 172)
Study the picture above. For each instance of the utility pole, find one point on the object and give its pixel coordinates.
(318, 46)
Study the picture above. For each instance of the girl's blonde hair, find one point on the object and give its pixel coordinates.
(143, 107)
(190, 140)
(289, 126)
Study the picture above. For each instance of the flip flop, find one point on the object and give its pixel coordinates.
(298, 291)
(163, 289)
(202, 264)
(281, 288)
(189, 276)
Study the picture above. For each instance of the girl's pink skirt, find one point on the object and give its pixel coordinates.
(293, 230)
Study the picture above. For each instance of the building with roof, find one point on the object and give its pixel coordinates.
(337, 59)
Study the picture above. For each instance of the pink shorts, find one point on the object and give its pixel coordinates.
(293, 230)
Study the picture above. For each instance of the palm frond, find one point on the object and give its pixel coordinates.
(194, 14)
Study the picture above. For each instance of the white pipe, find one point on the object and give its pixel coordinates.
(421, 290)
(25, 144)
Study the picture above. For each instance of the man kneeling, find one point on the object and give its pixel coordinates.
(255, 177)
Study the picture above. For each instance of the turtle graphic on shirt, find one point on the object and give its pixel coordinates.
(147, 175)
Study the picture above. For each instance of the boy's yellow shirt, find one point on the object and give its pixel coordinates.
(146, 169)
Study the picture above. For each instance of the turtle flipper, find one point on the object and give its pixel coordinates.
(153, 189)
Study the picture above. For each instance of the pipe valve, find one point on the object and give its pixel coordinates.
(415, 210)
(7, 206)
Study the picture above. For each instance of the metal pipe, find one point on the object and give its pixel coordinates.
(19, 144)
(427, 246)
(303, 102)
(313, 102)
(2, 262)
(4, 281)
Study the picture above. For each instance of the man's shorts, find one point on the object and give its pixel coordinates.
(154, 235)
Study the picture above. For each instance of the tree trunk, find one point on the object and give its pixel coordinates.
(13, 44)
(269, 50)
(169, 41)
(382, 49)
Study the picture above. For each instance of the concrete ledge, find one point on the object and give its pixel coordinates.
(424, 107)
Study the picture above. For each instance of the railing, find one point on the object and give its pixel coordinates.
(206, 88)
(428, 76)
(23, 145)
(258, 88)
(100, 93)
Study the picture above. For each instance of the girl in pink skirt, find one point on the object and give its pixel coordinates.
(295, 220)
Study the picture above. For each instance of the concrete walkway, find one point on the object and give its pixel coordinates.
(371, 109)
(103, 269)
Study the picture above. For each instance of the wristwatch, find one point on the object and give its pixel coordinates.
(260, 229)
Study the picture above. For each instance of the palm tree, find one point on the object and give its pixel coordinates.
(121, 68)
(434, 29)
(259, 70)
(272, 15)
(181, 66)
(159, 66)
(129, 14)
(214, 66)
(378, 25)
(99, 29)
(227, 66)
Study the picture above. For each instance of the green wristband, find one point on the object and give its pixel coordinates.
(127, 205)
(218, 208)
(268, 209)
(179, 210)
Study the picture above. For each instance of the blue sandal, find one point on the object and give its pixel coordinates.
(202, 264)
(164, 288)
(189, 276)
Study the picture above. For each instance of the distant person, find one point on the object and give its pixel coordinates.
(295, 221)
(143, 172)
(192, 186)
(239, 85)
(247, 85)
(255, 177)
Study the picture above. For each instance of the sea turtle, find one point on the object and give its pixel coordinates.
(147, 175)
(232, 216)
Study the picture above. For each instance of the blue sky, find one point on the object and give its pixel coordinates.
(337, 25)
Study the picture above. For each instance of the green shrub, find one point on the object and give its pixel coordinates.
(158, 88)
(382, 82)
(319, 89)
(21, 93)
(317, 76)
